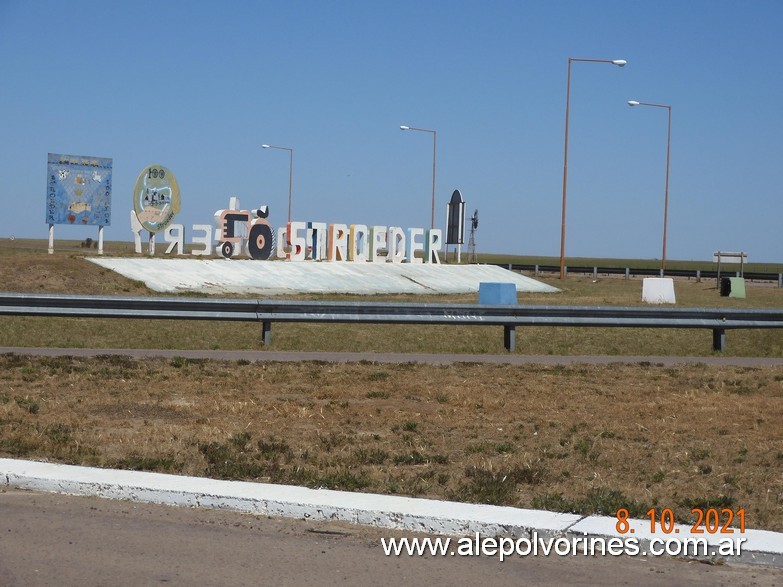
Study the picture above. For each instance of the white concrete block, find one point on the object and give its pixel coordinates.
(658, 290)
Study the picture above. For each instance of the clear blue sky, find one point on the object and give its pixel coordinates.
(199, 86)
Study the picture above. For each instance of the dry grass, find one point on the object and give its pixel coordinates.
(583, 438)
(27, 268)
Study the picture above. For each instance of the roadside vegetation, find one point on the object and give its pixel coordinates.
(582, 438)
(586, 439)
(26, 267)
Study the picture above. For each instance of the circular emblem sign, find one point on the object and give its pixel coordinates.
(156, 198)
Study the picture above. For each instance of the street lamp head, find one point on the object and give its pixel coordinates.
(264, 146)
(633, 103)
(619, 62)
(403, 127)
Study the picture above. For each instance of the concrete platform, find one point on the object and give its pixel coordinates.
(246, 276)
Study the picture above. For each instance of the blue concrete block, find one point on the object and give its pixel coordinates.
(497, 293)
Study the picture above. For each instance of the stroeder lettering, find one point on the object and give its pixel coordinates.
(239, 231)
(300, 241)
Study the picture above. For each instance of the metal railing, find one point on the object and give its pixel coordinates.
(719, 320)
(628, 272)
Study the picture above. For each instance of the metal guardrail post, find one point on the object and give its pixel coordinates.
(509, 316)
(627, 273)
(510, 337)
(595, 272)
(718, 339)
(780, 279)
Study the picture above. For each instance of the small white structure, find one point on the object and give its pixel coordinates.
(658, 290)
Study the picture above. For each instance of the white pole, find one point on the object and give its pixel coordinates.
(100, 240)
(446, 232)
(51, 239)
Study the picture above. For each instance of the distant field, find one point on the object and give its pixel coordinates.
(122, 248)
(26, 267)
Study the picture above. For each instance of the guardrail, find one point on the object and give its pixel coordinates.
(509, 316)
(595, 271)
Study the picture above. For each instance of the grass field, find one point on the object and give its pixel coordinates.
(122, 248)
(25, 267)
(579, 438)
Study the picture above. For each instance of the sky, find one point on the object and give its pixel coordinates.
(198, 86)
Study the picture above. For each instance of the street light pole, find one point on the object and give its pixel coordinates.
(434, 150)
(666, 191)
(290, 172)
(618, 63)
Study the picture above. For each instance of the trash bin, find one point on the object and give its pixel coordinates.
(725, 286)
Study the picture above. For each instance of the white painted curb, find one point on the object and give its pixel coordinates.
(384, 511)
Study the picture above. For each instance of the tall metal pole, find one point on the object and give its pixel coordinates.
(290, 181)
(290, 173)
(434, 152)
(434, 148)
(666, 190)
(565, 175)
(666, 193)
(618, 63)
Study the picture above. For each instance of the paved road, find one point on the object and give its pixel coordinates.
(51, 539)
(509, 358)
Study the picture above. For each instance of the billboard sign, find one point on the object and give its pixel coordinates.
(78, 190)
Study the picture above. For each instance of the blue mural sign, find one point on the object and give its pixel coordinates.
(78, 190)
